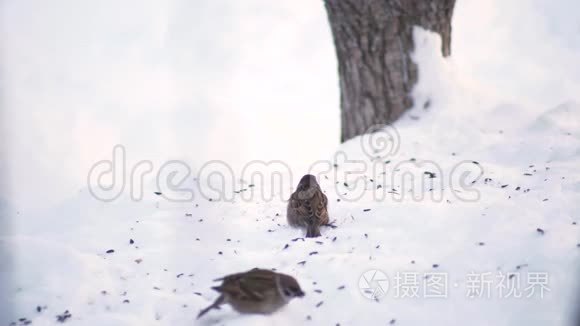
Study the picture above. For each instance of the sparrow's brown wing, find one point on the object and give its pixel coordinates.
(250, 285)
(299, 205)
(319, 204)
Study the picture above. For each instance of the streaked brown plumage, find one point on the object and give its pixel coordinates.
(258, 291)
(308, 207)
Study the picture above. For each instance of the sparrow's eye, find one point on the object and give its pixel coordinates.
(287, 293)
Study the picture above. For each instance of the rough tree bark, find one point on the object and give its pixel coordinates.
(374, 41)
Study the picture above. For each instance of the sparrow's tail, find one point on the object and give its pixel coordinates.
(215, 305)
(312, 231)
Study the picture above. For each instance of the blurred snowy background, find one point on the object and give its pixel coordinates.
(201, 80)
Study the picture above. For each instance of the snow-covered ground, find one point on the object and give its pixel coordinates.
(530, 182)
(500, 199)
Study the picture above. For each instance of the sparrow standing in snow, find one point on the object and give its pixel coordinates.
(258, 291)
(307, 207)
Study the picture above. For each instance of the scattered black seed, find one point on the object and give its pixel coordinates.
(527, 174)
(179, 275)
(313, 253)
(545, 199)
(346, 184)
(333, 239)
(475, 162)
(220, 253)
(521, 266)
(518, 188)
(366, 209)
(250, 186)
(481, 243)
(188, 214)
(196, 239)
(294, 240)
(378, 246)
(318, 291)
(511, 276)
(286, 247)
(337, 199)
(540, 231)
(412, 159)
(319, 242)
(228, 240)
(319, 304)
(197, 293)
(157, 193)
(38, 308)
(126, 301)
(435, 265)
(131, 241)
(379, 186)
(156, 288)
(430, 174)
(110, 251)
(503, 186)
(366, 235)
(412, 262)
(392, 321)
(308, 317)
(63, 317)
(302, 263)
(574, 223)
(342, 287)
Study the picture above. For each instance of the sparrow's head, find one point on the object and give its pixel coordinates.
(288, 287)
(307, 181)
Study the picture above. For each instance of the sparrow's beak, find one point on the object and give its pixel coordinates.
(300, 294)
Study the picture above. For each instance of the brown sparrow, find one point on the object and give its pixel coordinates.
(258, 291)
(307, 207)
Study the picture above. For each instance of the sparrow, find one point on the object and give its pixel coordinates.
(307, 207)
(258, 291)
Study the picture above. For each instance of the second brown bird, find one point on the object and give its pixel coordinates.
(308, 207)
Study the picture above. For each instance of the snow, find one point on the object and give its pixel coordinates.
(59, 260)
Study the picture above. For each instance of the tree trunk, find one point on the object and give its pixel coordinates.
(374, 41)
